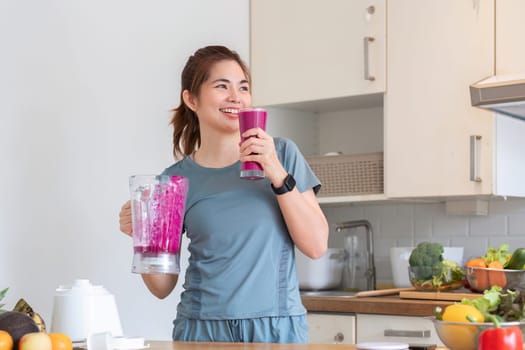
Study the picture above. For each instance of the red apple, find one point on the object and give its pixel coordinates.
(33, 341)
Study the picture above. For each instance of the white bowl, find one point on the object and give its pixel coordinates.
(399, 261)
(320, 274)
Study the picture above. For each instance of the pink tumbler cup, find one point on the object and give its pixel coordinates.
(250, 118)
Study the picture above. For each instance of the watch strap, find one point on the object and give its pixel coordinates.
(288, 185)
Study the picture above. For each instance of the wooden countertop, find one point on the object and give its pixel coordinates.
(167, 345)
(385, 305)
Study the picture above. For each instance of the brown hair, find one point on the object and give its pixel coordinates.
(186, 132)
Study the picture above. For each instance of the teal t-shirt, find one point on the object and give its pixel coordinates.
(241, 262)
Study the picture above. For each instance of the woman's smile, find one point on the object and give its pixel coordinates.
(232, 113)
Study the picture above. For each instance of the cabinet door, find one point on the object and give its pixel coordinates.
(436, 49)
(510, 53)
(331, 328)
(312, 49)
(405, 329)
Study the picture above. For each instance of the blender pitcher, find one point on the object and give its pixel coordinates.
(359, 269)
(157, 213)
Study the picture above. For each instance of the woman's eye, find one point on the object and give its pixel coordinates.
(245, 88)
(221, 86)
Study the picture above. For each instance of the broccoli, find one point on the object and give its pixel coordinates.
(426, 257)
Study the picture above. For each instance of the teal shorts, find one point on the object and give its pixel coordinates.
(287, 329)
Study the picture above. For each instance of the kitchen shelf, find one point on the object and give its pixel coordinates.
(350, 199)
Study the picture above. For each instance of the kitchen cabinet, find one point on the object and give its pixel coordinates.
(435, 51)
(309, 50)
(406, 329)
(435, 144)
(510, 54)
(331, 328)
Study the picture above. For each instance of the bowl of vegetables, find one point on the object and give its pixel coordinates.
(480, 279)
(471, 324)
(498, 267)
(464, 336)
(429, 271)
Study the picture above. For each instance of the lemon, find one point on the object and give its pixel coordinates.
(459, 312)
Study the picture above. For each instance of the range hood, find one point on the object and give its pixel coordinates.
(504, 94)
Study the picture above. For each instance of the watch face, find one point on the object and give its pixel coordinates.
(289, 182)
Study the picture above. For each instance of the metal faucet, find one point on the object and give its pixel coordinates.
(370, 273)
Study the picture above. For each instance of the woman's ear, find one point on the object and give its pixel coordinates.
(189, 100)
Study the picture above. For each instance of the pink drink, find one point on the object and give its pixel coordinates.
(250, 118)
(157, 206)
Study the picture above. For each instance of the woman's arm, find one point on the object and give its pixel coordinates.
(160, 285)
(304, 218)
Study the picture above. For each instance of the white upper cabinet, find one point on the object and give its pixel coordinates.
(436, 49)
(305, 50)
(424, 56)
(436, 144)
(510, 27)
(510, 133)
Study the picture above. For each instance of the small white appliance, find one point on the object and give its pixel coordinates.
(82, 309)
(320, 274)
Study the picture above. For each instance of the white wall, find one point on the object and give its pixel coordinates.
(86, 89)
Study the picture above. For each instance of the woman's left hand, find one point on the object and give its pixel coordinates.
(259, 147)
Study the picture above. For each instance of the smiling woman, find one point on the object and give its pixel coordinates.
(241, 283)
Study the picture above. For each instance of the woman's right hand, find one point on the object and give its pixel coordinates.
(125, 218)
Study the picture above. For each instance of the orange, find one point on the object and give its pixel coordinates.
(60, 341)
(6, 341)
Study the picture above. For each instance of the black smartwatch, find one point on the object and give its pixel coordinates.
(288, 185)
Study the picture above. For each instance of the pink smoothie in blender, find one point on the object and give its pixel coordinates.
(157, 210)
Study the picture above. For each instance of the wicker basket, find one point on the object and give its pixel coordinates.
(347, 175)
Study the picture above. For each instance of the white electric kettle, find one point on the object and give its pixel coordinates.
(83, 309)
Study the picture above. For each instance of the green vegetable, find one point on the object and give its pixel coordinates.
(427, 256)
(500, 254)
(2, 295)
(504, 304)
(430, 270)
(517, 260)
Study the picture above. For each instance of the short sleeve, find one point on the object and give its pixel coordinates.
(295, 164)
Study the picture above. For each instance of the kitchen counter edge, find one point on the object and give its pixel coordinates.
(385, 305)
(168, 345)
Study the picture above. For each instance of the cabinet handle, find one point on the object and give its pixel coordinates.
(406, 333)
(339, 337)
(474, 158)
(366, 42)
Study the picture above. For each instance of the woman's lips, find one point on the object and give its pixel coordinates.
(230, 110)
(232, 113)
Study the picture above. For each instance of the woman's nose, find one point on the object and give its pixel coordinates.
(234, 97)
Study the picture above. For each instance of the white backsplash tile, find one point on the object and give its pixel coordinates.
(517, 224)
(488, 225)
(408, 224)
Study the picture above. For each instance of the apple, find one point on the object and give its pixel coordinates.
(34, 341)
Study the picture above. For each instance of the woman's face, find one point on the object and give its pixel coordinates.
(221, 96)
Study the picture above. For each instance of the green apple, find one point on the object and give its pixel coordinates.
(35, 340)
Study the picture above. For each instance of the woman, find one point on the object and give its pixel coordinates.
(241, 283)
